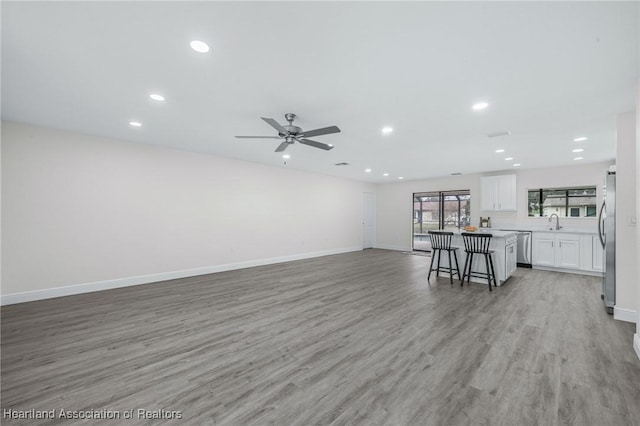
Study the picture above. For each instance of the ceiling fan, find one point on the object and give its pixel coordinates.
(291, 134)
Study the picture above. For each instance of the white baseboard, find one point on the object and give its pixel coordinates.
(29, 296)
(569, 271)
(624, 314)
(636, 344)
(390, 247)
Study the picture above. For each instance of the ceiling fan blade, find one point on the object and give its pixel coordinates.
(323, 131)
(282, 146)
(258, 137)
(273, 123)
(315, 144)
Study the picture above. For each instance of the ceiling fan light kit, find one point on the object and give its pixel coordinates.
(289, 134)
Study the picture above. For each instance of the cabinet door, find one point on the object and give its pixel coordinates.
(568, 252)
(487, 193)
(506, 193)
(597, 254)
(543, 251)
(511, 259)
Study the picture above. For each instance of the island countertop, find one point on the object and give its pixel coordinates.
(494, 232)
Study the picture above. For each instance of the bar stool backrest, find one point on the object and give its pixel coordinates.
(440, 240)
(476, 243)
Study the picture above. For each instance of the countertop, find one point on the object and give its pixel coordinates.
(566, 231)
(531, 229)
(497, 233)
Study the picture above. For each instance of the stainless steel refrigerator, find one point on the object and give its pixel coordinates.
(607, 232)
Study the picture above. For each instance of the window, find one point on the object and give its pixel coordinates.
(438, 210)
(565, 202)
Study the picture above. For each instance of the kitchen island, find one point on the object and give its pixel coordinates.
(503, 243)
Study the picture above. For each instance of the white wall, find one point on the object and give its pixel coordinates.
(394, 207)
(91, 212)
(394, 200)
(626, 306)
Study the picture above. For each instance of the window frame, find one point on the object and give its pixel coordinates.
(440, 198)
(567, 197)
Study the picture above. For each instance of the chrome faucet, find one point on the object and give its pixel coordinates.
(557, 220)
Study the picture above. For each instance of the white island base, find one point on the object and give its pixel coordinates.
(504, 245)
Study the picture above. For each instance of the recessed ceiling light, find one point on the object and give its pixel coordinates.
(367, 170)
(199, 46)
(286, 156)
(385, 174)
(499, 150)
(578, 158)
(400, 177)
(580, 139)
(135, 123)
(386, 130)
(578, 150)
(516, 165)
(480, 105)
(508, 159)
(157, 97)
(456, 174)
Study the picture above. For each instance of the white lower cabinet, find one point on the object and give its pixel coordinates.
(511, 257)
(591, 253)
(568, 251)
(597, 254)
(543, 250)
(556, 250)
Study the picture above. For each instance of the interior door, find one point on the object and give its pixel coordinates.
(368, 219)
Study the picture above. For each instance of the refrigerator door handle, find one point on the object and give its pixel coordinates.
(601, 234)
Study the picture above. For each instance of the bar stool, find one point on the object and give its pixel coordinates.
(441, 240)
(478, 244)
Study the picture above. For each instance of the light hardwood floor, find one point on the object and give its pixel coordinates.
(358, 338)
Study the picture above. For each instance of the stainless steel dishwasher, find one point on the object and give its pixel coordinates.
(524, 247)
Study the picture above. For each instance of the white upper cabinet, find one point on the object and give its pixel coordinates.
(498, 193)
(487, 193)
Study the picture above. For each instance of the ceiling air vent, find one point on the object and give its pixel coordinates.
(342, 164)
(500, 133)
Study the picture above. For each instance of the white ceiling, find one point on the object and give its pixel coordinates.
(551, 72)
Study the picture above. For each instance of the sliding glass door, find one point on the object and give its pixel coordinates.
(438, 210)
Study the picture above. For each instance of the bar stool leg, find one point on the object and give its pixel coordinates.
(464, 270)
(486, 262)
(470, 268)
(439, 257)
(433, 254)
(455, 256)
(450, 268)
(493, 272)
